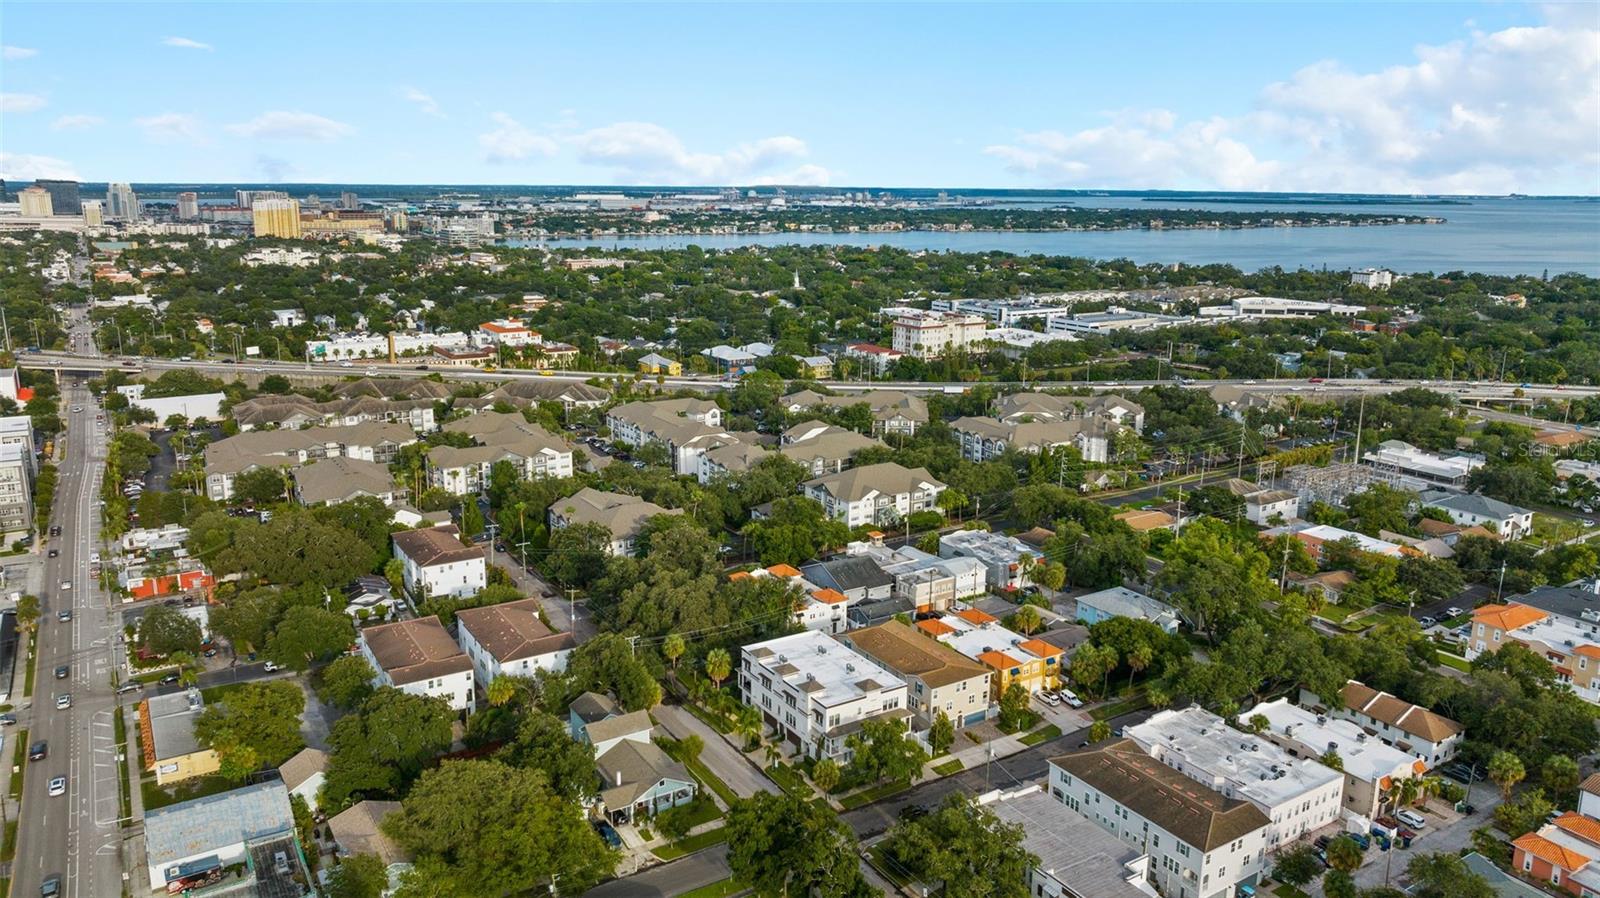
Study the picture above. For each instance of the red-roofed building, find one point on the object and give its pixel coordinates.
(815, 608)
(506, 332)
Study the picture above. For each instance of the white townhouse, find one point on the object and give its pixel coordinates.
(1001, 555)
(510, 639)
(419, 657)
(815, 691)
(1201, 843)
(1371, 768)
(874, 494)
(435, 563)
(1508, 521)
(1430, 738)
(1297, 795)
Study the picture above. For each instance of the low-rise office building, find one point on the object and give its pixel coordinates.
(1405, 465)
(167, 739)
(188, 841)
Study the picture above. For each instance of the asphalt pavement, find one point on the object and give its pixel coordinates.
(77, 835)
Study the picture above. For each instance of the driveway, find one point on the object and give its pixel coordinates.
(723, 759)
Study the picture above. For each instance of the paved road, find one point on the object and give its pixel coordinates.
(711, 865)
(1469, 391)
(78, 835)
(734, 768)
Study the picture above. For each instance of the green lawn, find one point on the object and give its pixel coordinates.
(714, 721)
(19, 762)
(8, 849)
(124, 799)
(159, 796)
(214, 694)
(1335, 614)
(790, 780)
(868, 796)
(712, 781)
(1119, 708)
(1042, 734)
(33, 666)
(1550, 529)
(692, 844)
(1284, 890)
(951, 766)
(1449, 660)
(722, 888)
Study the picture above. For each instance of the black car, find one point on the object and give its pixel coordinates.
(38, 751)
(53, 553)
(169, 679)
(61, 671)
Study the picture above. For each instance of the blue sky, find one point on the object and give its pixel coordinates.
(1428, 97)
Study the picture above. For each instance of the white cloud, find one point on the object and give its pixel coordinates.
(23, 167)
(512, 142)
(423, 101)
(172, 127)
(187, 44)
(642, 152)
(76, 122)
(1513, 110)
(15, 54)
(22, 103)
(282, 125)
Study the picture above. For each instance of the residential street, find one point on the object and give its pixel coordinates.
(725, 760)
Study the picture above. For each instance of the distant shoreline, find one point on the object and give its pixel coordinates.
(1301, 201)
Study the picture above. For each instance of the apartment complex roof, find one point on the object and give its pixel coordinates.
(1199, 816)
(899, 648)
(1071, 848)
(1507, 617)
(340, 478)
(886, 478)
(1398, 713)
(413, 650)
(619, 513)
(513, 630)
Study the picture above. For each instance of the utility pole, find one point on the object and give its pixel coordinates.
(1500, 590)
(1240, 475)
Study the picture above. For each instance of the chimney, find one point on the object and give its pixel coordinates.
(619, 777)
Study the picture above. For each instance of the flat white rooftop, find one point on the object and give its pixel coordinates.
(1202, 746)
(1364, 757)
(841, 674)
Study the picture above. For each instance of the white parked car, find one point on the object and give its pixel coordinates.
(1050, 699)
(1411, 818)
(66, 584)
(63, 701)
(270, 667)
(1068, 696)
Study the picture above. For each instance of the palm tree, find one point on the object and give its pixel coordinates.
(1099, 731)
(1139, 658)
(747, 724)
(673, 648)
(1506, 770)
(1027, 619)
(1406, 791)
(1344, 854)
(718, 666)
(1428, 787)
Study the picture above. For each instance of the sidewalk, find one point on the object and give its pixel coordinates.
(975, 755)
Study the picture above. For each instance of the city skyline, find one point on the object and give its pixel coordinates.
(1436, 98)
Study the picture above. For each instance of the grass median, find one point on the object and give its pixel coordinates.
(692, 844)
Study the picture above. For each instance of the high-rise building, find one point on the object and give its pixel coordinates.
(276, 218)
(35, 202)
(398, 221)
(94, 213)
(121, 203)
(247, 198)
(349, 200)
(188, 205)
(64, 196)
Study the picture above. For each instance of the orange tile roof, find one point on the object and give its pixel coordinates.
(828, 596)
(783, 570)
(1039, 647)
(935, 627)
(739, 575)
(1583, 827)
(974, 616)
(1549, 851)
(1587, 650)
(998, 660)
(1418, 768)
(494, 328)
(1507, 617)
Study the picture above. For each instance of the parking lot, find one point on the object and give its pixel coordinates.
(1445, 832)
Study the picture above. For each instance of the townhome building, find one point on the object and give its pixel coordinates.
(1201, 843)
(1565, 853)
(926, 581)
(1372, 769)
(883, 493)
(419, 657)
(1012, 657)
(1298, 795)
(814, 692)
(1077, 859)
(1431, 738)
(816, 607)
(434, 562)
(620, 514)
(511, 639)
(1559, 623)
(939, 679)
(1002, 556)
